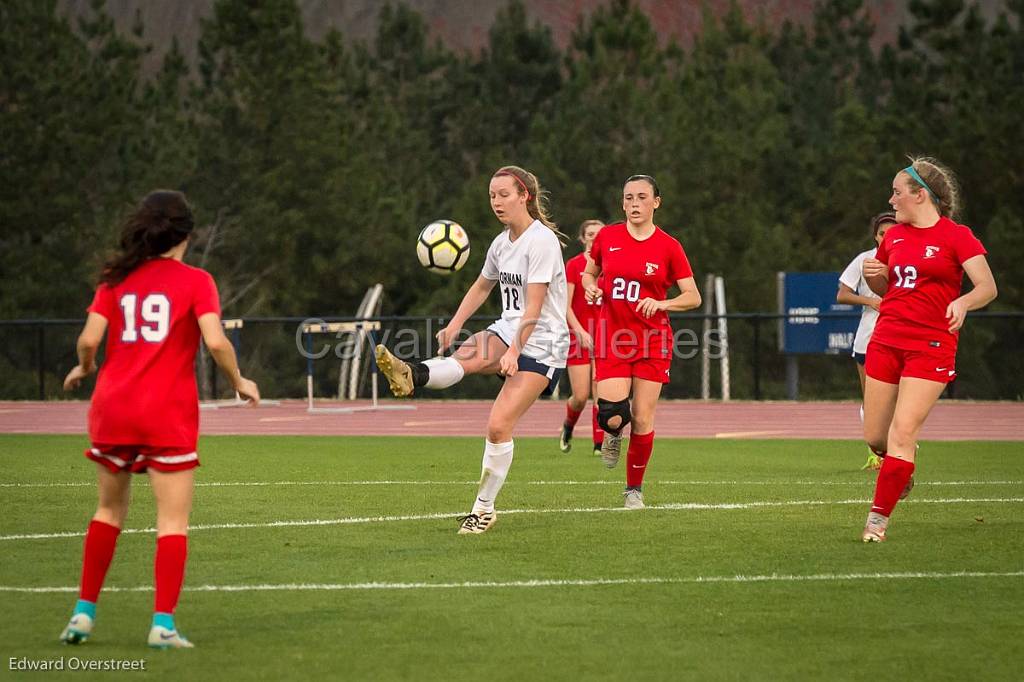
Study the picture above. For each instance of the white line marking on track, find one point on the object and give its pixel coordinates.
(671, 506)
(781, 482)
(748, 434)
(594, 582)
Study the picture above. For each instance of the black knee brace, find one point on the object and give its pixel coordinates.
(606, 409)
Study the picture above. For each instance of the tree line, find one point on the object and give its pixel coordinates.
(313, 164)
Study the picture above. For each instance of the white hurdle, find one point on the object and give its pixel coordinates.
(362, 328)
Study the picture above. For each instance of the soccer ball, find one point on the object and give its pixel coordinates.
(443, 247)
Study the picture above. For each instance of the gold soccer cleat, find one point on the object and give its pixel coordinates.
(397, 372)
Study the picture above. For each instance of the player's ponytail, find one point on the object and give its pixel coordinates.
(536, 198)
(162, 221)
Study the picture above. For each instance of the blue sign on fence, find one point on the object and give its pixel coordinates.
(815, 323)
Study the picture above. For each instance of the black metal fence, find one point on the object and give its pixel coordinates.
(36, 354)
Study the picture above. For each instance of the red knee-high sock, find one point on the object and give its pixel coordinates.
(598, 431)
(639, 453)
(169, 570)
(571, 416)
(100, 542)
(892, 478)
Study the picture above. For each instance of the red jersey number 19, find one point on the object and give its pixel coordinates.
(155, 310)
(625, 290)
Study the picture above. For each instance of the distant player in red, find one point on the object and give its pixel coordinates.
(639, 262)
(918, 270)
(144, 415)
(582, 318)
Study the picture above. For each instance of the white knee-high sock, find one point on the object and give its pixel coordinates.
(444, 372)
(496, 463)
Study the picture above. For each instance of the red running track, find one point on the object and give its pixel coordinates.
(950, 420)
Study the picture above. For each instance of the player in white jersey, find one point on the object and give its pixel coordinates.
(854, 290)
(528, 345)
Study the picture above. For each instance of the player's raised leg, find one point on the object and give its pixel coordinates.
(173, 493)
(100, 543)
(478, 355)
(519, 392)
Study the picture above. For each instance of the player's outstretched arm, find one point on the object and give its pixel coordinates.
(224, 355)
(88, 346)
(471, 302)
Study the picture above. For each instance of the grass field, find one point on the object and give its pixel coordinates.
(775, 586)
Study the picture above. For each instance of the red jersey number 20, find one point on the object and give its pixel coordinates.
(155, 312)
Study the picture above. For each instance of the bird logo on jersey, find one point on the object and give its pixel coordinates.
(651, 269)
(930, 251)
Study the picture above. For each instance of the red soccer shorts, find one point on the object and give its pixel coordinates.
(651, 369)
(138, 458)
(578, 355)
(889, 364)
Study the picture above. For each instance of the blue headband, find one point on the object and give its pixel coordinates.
(909, 170)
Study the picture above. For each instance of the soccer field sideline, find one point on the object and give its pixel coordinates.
(592, 582)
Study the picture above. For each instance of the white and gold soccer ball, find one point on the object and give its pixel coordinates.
(443, 247)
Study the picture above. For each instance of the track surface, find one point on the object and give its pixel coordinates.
(675, 419)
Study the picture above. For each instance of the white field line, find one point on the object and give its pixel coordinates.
(255, 484)
(671, 506)
(594, 582)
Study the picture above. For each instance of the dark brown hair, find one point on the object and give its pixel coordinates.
(646, 178)
(162, 221)
(881, 219)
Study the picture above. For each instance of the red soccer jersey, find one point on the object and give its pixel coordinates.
(585, 311)
(634, 270)
(925, 275)
(146, 391)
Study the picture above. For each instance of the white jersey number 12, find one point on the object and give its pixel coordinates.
(906, 279)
